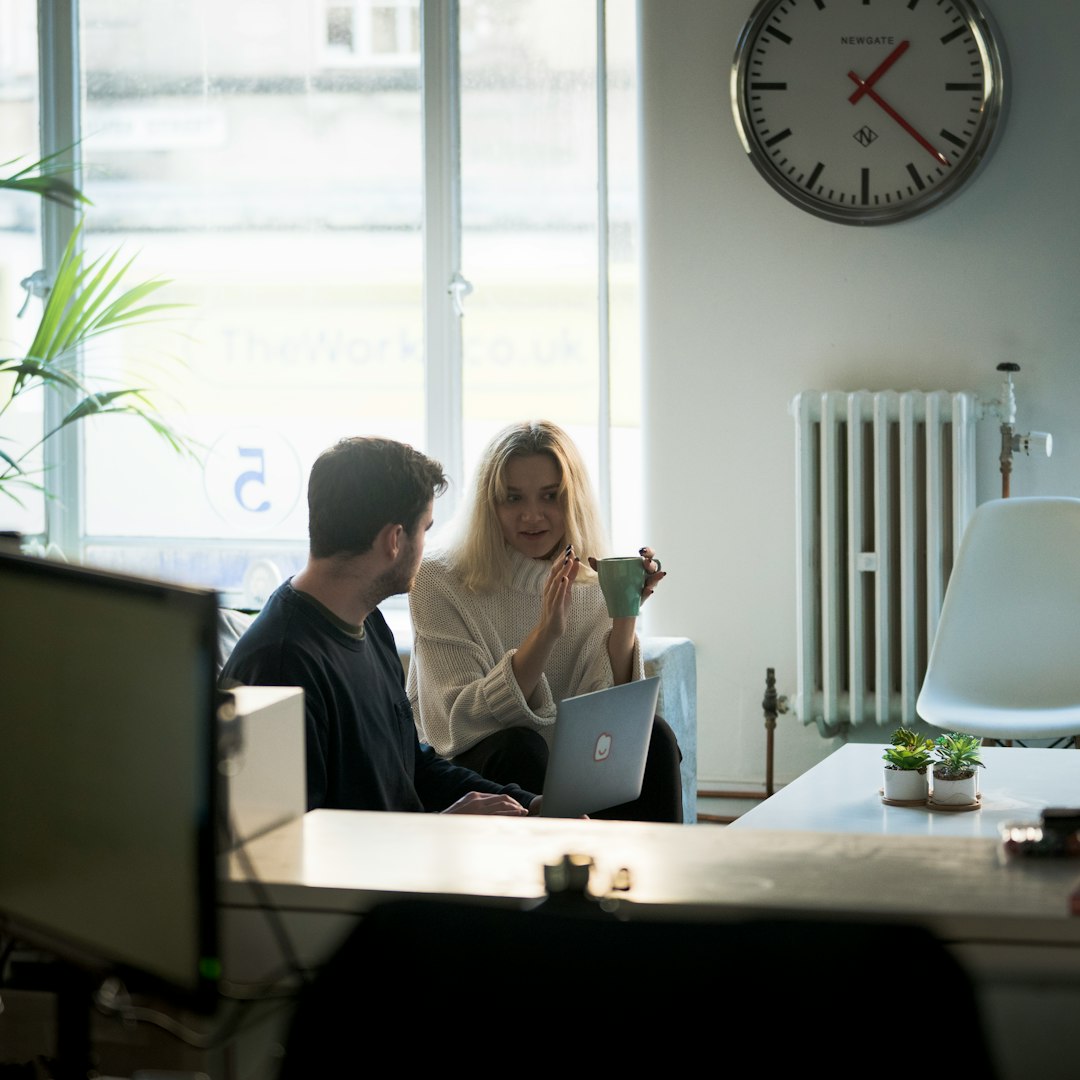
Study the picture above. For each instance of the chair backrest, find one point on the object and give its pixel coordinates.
(577, 991)
(231, 625)
(1004, 659)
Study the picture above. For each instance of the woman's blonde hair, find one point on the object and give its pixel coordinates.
(480, 554)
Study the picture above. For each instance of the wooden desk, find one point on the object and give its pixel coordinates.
(841, 794)
(1008, 922)
(338, 863)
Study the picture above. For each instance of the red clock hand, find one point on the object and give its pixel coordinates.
(875, 96)
(884, 66)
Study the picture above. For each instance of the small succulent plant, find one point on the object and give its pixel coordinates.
(908, 751)
(957, 756)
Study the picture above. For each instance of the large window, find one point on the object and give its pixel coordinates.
(380, 219)
(20, 254)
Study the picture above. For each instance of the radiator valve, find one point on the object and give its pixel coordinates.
(1012, 442)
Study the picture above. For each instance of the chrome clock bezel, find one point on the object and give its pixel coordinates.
(790, 179)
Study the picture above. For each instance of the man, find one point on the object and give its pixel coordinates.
(369, 508)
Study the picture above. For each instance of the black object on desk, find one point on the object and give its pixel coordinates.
(444, 982)
(1056, 835)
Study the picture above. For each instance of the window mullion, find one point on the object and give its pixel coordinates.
(603, 420)
(58, 64)
(442, 238)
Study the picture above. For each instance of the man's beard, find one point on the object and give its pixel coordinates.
(392, 582)
(398, 578)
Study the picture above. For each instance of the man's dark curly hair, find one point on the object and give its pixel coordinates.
(360, 485)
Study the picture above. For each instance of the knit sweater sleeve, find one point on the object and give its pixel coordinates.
(461, 681)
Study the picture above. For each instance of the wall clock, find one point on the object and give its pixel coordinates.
(867, 111)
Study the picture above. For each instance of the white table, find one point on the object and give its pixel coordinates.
(842, 794)
(1010, 922)
(338, 863)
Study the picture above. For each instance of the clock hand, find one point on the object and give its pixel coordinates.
(875, 96)
(880, 70)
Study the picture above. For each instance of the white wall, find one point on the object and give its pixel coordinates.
(748, 300)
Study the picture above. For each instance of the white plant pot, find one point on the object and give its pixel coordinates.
(905, 785)
(956, 792)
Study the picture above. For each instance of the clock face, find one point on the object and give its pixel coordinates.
(867, 111)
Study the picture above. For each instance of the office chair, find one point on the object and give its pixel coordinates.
(438, 986)
(1003, 664)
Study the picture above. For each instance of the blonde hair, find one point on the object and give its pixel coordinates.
(480, 554)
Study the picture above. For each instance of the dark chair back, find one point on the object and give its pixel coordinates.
(566, 987)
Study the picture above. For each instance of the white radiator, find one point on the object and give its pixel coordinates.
(885, 485)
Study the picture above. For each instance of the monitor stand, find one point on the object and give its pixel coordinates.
(74, 995)
(73, 990)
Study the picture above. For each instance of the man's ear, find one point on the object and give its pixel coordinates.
(389, 540)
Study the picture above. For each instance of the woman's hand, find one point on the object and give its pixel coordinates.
(620, 644)
(653, 574)
(555, 605)
(529, 661)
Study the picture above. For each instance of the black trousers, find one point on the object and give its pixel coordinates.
(519, 755)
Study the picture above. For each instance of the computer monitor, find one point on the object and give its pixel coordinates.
(107, 775)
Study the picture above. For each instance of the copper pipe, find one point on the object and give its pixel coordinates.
(1006, 458)
(771, 706)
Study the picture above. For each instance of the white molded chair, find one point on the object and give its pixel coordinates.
(1005, 663)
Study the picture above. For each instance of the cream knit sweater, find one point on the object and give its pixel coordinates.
(461, 682)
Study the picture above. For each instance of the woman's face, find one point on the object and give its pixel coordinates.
(531, 515)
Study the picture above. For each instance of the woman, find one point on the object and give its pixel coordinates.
(508, 621)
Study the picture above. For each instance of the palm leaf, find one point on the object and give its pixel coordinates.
(106, 401)
(54, 188)
(130, 402)
(72, 293)
(11, 462)
(9, 482)
(86, 295)
(121, 310)
(31, 368)
(62, 288)
(46, 183)
(22, 480)
(88, 299)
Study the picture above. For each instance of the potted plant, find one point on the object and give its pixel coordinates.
(906, 772)
(956, 770)
(85, 300)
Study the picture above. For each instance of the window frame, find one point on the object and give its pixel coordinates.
(445, 286)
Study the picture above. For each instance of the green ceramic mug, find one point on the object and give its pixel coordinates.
(621, 582)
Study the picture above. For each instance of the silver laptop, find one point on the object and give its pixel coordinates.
(598, 754)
